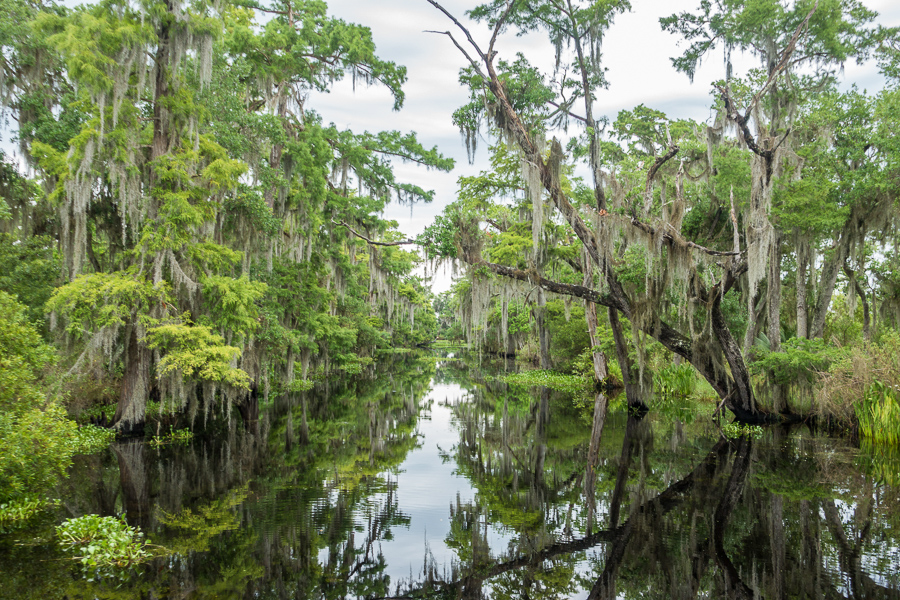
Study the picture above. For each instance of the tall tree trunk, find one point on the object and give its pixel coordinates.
(736, 588)
(744, 404)
(802, 262)
(135, 481)
(632, 388)
(132, 406)
(830, 271)
(754, 325)
(601, 407)
(856, 288)
(773, 300)
(543, 333)
(598, 357)
(161, 142)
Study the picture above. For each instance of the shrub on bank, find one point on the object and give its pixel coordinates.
(853, 375)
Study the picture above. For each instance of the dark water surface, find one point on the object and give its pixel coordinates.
(424, 480)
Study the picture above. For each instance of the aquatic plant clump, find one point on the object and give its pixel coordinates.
(103, 545)
(176, 436)
(17, 514)
(90, 439)
(736, 430)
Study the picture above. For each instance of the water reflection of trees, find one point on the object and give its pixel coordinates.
(782, 518)
(292, 507)
(298, 508)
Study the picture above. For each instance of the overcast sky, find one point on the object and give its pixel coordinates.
(636, 53)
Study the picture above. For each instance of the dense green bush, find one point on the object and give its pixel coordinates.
(799, 361)
(568, 334)
(36, 438)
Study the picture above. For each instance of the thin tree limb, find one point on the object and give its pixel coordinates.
(370, 241)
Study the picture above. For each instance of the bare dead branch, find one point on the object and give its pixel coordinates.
(660, 161)
(461, 27)
(657, 164)
(475, 64)
(569, 113)
(370, 241)
(783, 61)
(497, 27)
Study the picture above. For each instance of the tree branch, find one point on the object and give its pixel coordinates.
(673, 237)
(657, 164)
(459, 47)
(565, 110)
(369, 241)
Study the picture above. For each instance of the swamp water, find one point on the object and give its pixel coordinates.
(425, 480)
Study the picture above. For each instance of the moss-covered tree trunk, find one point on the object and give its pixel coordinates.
(132, 406)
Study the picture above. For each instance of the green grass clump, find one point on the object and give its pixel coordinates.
(675, 380)
(879, 414)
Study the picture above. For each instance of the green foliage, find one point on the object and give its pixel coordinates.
(233, 303)
(37, 446)
(440, 237)
(879, 414)
(880, 461)
(199, 526)
(800, 361)
(175, 437)
(568, 334)
(838, 30)
(633, 269)
(105, 546)
(203, 214)
(569, 384)
(735, 430)
(675, 380)
(29, 270)
(526, 88)
(301, 385)
(20, 513)
(37, 441)
(91, 439)
(196, 352)
(841, 325)
(97, 300)
(23, 358)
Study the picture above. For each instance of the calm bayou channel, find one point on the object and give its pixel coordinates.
(430, 478)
